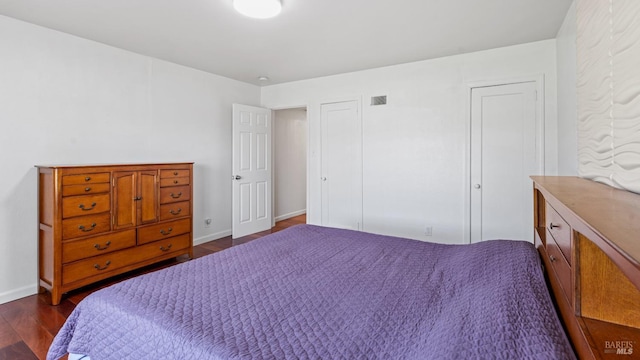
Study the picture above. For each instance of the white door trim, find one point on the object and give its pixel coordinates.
(273, 179)
(309, 157)
(314, 215)
(317, 180)
(540, 135)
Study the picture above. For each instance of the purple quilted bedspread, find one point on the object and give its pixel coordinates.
(318, 293)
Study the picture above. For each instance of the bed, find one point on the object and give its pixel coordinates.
(311, 292)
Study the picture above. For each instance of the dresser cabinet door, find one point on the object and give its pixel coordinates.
(135, 198)
(147, 197)
(124, 199)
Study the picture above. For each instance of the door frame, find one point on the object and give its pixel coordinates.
(236, 107)
(273, 175)
(359, 109)
(314, 149)
(540, 119)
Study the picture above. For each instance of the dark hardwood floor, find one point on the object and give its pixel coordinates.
(28, 325)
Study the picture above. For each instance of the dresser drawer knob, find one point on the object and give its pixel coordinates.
(175, 173)
(552, 258)
(554, 226)
(176, 196)
(81, 206)
(175, 181)
(165, 248)
(167, 232)
(106, 246)
(100, 268)
(173, 212)
(88, 178)
(82, 228)
(87, 189)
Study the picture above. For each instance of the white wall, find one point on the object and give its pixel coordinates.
(68, 100)
(567, 103)
(290, 162)
(415, 148)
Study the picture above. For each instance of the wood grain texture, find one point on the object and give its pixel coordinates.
(8, 336)
(17, 351)
(560, 232)
(85, 225)
(611, 215)
(606, 293)
(97, 245)
(28, 325)
(600, 333)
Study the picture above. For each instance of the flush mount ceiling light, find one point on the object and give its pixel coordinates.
(259, 9)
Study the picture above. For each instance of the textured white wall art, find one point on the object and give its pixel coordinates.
(608, 87)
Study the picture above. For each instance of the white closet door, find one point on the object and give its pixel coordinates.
(503, 156)
(341, 165)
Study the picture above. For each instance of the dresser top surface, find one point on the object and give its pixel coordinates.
(65, 166)
(612, 213)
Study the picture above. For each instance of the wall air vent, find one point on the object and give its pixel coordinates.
(379, 100)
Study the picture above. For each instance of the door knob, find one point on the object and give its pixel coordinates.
(324, 179)
(477, 186)
(237, 177)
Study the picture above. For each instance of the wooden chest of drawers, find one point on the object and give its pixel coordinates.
(587, 234)
(97, 221)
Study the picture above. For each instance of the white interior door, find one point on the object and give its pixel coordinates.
(503, 155)
(341, 143)
(251, 170)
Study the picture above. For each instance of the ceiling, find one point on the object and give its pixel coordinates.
(310, 38)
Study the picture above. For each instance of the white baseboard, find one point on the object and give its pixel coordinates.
(290, 215)
(19, 293)
(203, 239)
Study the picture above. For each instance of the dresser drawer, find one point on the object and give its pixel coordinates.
(86, 225)
(560, 230)
(85, 205)
(561, 267)
(102, 265)
(86, 189)
(98, 245)
(174, 181)
(175, 210)
(175, 194)
(152, 233)
(168, 245)
(170, 174)
(92, 178)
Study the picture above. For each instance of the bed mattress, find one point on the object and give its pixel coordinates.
(310, 292)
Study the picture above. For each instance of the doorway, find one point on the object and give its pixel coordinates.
(290, 138)
(505, 140)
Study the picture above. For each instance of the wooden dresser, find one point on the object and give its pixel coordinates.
(588, 235)
(97, 221)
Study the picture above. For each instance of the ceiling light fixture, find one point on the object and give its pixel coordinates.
(259, 9)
